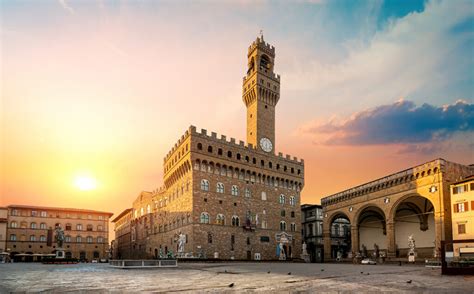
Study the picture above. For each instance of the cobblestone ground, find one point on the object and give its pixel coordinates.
(219, 277)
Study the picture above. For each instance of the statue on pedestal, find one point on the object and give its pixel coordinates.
(411, 251)
(181, 242)
(59, 242)
(304, 254)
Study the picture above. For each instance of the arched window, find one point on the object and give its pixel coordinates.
(264, 195)
(220, 219)
(265, 62)
(235, 221)
(89, 239)
(282, 212)
(78, 227)
(42, 238)
(43, 226)
(235, 190)
(100, 240)
(90, 228)
(199, 146)
(248, 194)
(220, 188)
(292, 200)
(12, 237)
(264, 224)
(219, 151)
(100, 228)
(238, 156)
(33, 225)
(282, 199)
(282, 226)
(33, 238)
(148, 209)
(78, 239)
(13, 224)
(205, 185)
(204, 218)
(67, 239)
(229, 154)
(209, 149)
(293, 227)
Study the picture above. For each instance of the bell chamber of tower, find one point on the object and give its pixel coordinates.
(260, 93)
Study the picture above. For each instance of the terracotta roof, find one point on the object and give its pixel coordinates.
(466, 179)
(60, 209)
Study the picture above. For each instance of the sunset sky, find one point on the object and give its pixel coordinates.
(95, 93)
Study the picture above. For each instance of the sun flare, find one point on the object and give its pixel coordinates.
(85, 183)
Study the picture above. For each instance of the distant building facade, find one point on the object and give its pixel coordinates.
(462, 209)
(3, 229)
(122, 248)
(230, 199)
(312, 231)
(384, 213)
(30, 232)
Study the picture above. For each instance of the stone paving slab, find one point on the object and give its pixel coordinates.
(218, 277)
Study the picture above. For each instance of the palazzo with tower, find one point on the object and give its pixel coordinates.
(223, 198)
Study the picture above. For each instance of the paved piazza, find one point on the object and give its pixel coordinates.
(216, 277)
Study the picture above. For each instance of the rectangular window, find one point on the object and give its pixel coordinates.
(34, 213)
(472, 186)
(461, 229)
(461, 207)
(44, 214)
(264, 239)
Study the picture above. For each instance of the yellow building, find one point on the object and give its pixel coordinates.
(462, 209)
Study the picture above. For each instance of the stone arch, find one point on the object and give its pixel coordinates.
(371, 229)
(414, 214)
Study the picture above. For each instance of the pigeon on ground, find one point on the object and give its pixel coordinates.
(368, 273)
(225, 271)
(268, 272)
(322, 270)
(289, 273)
(361, 272)
(231, 285)
(409, 281)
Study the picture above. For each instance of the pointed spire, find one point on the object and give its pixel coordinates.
(261, 35)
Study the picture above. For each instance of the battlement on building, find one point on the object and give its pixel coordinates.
(231, 142)
(270, 74)
(262, 45)
(412, 174)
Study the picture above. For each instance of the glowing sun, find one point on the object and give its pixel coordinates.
(85, 183)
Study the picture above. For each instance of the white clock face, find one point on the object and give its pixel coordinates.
(266, 144)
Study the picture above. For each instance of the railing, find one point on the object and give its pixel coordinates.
(145, 263)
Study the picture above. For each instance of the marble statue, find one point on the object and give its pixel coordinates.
(181, 242)
(282, 252)
(59, 236)
(411, 245)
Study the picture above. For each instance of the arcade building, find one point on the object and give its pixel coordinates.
(232, 200)
(380, 216)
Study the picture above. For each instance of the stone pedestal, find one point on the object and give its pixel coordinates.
(60, 253)
(306, 257)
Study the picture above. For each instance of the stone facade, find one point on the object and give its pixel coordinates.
(386, 211)
(3, 229)
(31, 231)
(122, 246)
(312, 230)
(232, 200)
(462, 210)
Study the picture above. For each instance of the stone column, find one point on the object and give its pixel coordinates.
(327, 244)
(391, 245)
(354, 238)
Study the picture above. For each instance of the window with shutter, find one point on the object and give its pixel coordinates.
(455, 207)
